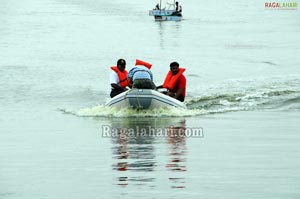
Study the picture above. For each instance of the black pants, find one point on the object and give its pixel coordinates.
(115, 92)
(181, 98)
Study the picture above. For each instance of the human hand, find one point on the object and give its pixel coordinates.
(171, 94)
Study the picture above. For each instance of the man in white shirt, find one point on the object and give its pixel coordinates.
(118, 78)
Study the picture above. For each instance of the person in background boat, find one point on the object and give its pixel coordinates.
(178, 10)
(140, 76)
(175, 82)
(118, 78)
(156, 7)
(178, 7)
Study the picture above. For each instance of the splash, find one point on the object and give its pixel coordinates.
(105, 111)
(248, 95)
(235, 95)
(211, 104)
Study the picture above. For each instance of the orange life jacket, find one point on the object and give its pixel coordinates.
(122, 76)
(171, 79)
(143, 63)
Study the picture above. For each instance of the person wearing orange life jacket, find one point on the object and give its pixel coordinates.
(118, 78)
(175, 82)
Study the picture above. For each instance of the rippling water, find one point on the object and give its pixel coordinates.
(243, 94)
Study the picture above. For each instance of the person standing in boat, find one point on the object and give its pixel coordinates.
(175, 82)
(140, 76)
(118, 78)
(178, 10)
(157, 7)
(178, 7)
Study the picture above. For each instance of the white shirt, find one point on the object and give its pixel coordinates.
(114, 78)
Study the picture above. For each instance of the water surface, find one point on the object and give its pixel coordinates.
(242, 69)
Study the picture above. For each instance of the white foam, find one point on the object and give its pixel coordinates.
(104, 111)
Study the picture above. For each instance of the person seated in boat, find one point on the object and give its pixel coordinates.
(156, 7)
(175, 82)
(118, 78)
(140, 76)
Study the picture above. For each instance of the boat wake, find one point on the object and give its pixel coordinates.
(238, 95)
(105, 111)
(254, 95)
(220, 103)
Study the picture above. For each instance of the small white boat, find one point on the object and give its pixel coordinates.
(144, 99)
(167, 13)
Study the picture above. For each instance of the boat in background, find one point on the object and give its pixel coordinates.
(168, 13)
(144, 99)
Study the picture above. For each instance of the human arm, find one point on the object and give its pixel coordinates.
(130, 76)
(178, 93)
(114, 81)
(130, 81)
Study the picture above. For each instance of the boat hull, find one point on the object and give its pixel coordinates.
(144, 99)
(165, 15)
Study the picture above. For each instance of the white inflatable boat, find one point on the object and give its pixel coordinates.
(144, 99)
